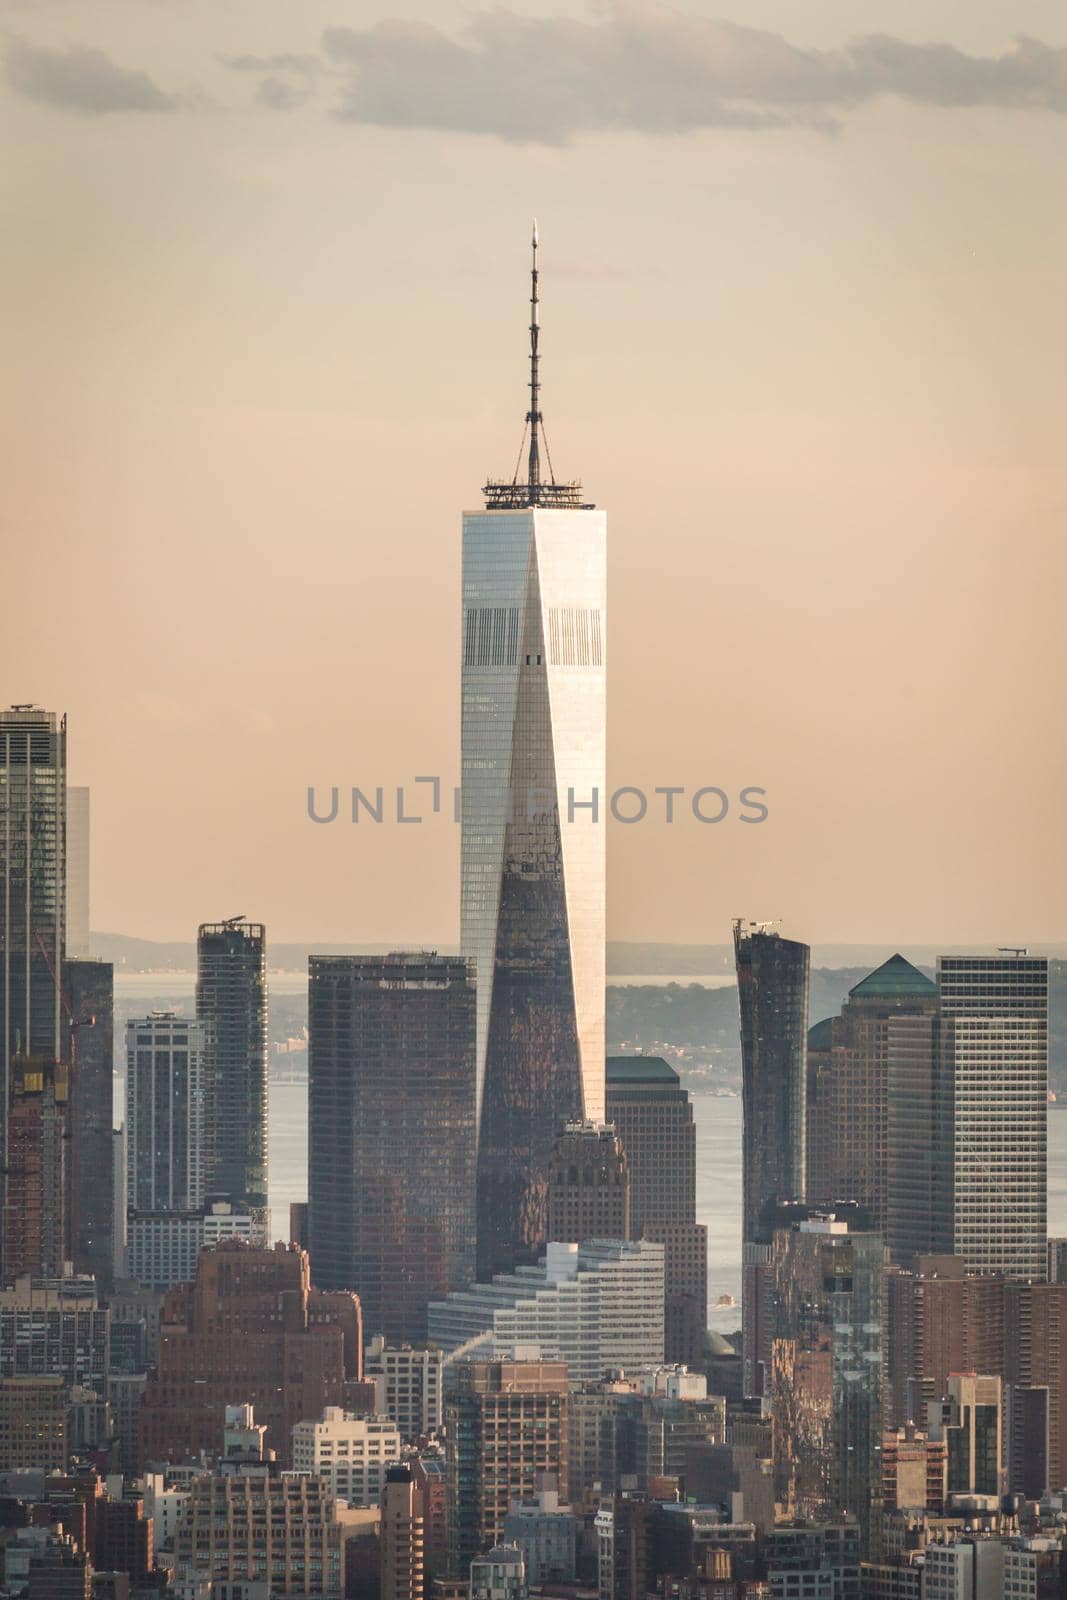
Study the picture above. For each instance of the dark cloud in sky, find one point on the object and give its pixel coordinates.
(79, 79)
(278, 94)
(648, 68)
(287, 61)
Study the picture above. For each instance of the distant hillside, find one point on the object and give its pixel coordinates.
(696, 1027)
(624, 959)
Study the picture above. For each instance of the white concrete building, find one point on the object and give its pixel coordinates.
(600, 1304)
(409, 1384)
(166, 1506)
(350, 1453)
(162, 1246)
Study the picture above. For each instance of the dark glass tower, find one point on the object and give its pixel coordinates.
(654, 1118)
(231, 1001)
(33, 811)
(772, 990)
(89, 990)
(391, 1132)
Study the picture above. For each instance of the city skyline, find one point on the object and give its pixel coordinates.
(813, 380)
(446, 1267)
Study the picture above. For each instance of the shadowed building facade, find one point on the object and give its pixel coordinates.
(653, 1116)
(589, 1185)
(33, 830)
(231, 1003)
(825, 1380)
(505, 1426)
(532, 848)
(37, 1192)
(89, 989)
(848, 1110)
(772, 990)
(391, 1132)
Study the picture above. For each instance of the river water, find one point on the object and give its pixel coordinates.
(718, 1125)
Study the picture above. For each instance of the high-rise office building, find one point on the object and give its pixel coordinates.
(938, 1320)
(825, 1375)
(77, 871)
(34, 1415)
(967, 1118)
(505, 1426)
(88, 987)
(352, 1453)
(848, 1087)
(391, 1131)
(968, 1422)
(772, 989)
(231, 1003)
(588, 1185)
(252, 1328)
(37, 1192)
(33, 827)
(166, 1068)
(533, 827)
(772, 986)
(163, 1247)
(409, 1385)
(1027, 1436)
(598, 1304)
(403, 1536)
(994, 1042)
(653, 1116)
(55, 1326)
(652, 1113)
(250, 1532)
(639, 1427)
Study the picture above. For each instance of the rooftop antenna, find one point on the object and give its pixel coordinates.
(533, 416)
(514, 495)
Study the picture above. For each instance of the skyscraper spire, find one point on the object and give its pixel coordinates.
(533, 416)
(513, 494)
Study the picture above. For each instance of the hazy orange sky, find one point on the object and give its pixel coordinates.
(803, 283)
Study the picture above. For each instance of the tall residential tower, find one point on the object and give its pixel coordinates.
(533, 762)
(231, 1004)
(33, 827)
(772, 989)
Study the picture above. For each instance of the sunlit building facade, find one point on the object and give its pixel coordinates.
(994, 1050)
(533, 801)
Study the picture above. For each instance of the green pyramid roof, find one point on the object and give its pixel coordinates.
(895, 979)
(640, 1069)
(821, 1036)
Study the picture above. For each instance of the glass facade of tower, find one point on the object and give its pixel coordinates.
(994, 1053)
(824, 1286)
(772, 988)
(532, 898)
(391, 1132)
(165, 1069)
(231, 1002)
(33, 792)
